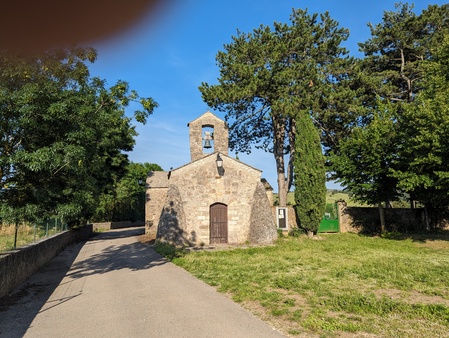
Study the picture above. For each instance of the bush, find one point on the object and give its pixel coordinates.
(296, 232)
(168, 251)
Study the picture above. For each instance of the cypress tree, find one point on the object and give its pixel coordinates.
(310, 175)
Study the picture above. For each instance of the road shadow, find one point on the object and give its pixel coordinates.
(132, 256)
(19, 308)
(119, 233)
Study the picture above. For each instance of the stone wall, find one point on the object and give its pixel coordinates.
(201, 184)
(17, 265)
(117, 225)
(291, 217)
(263, 227)
(367, 219)
(155, 199)
(172, 223)
(220, 140)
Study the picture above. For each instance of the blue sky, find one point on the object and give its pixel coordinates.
(168, 54)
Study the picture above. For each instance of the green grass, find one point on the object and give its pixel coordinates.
(341, 284)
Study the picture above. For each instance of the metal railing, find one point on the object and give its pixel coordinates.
(14, 236)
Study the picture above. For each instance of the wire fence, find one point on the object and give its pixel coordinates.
(12, 236)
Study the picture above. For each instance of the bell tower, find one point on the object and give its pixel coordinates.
(208, 134)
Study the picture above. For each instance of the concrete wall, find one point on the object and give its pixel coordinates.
(17, 265)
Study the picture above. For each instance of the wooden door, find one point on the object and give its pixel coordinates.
(218, 223)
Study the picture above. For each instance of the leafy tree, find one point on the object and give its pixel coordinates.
(365, 160)
(424, 130)
(398, 46)
(269, 75)
(126, 202)
(310, 175)
(391, 78)
(63, 133)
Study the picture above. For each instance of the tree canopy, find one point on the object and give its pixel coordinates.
(396, 147)
(126, 200)
(269, 75)
(424, 126)
(63, 133)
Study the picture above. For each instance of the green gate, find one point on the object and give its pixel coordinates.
(329, 222)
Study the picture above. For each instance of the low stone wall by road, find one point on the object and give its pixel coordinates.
(17, 265)
(117, 225)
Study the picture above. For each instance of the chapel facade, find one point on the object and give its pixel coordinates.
(213, 199)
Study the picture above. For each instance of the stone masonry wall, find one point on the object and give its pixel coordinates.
(155, 200)
(196, 135)
(201, 185)
(172, 223)
(262, 228)
(367, 219)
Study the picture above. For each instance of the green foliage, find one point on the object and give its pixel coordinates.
(310, 175)
(168, 251)
(296, 232)
(269, 75)
(392, 66)
(365, 159)
(126, 200)
(424, 129)
(395, 143)
(64, 134)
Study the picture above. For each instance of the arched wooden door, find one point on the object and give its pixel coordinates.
(218, 229)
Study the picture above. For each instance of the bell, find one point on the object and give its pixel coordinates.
(207, 144)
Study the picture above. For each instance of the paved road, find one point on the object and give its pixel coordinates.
(115, 286)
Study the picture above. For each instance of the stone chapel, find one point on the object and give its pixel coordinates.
(212, 199)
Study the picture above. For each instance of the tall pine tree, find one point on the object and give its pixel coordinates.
(310, 175)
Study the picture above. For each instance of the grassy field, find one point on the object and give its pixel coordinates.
(340, 285)
(331, 197)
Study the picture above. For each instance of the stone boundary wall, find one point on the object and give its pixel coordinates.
(117, 225)
(17, 265)
(367, 219)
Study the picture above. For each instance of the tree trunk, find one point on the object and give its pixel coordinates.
(282, 190)
(382, 218)
(278, 151)
(426, 215)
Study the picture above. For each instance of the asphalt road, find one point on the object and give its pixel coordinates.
(115, 286)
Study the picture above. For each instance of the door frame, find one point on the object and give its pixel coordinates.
(218, 230)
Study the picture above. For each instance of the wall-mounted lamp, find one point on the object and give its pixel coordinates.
(140, 181)
(219, 161)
